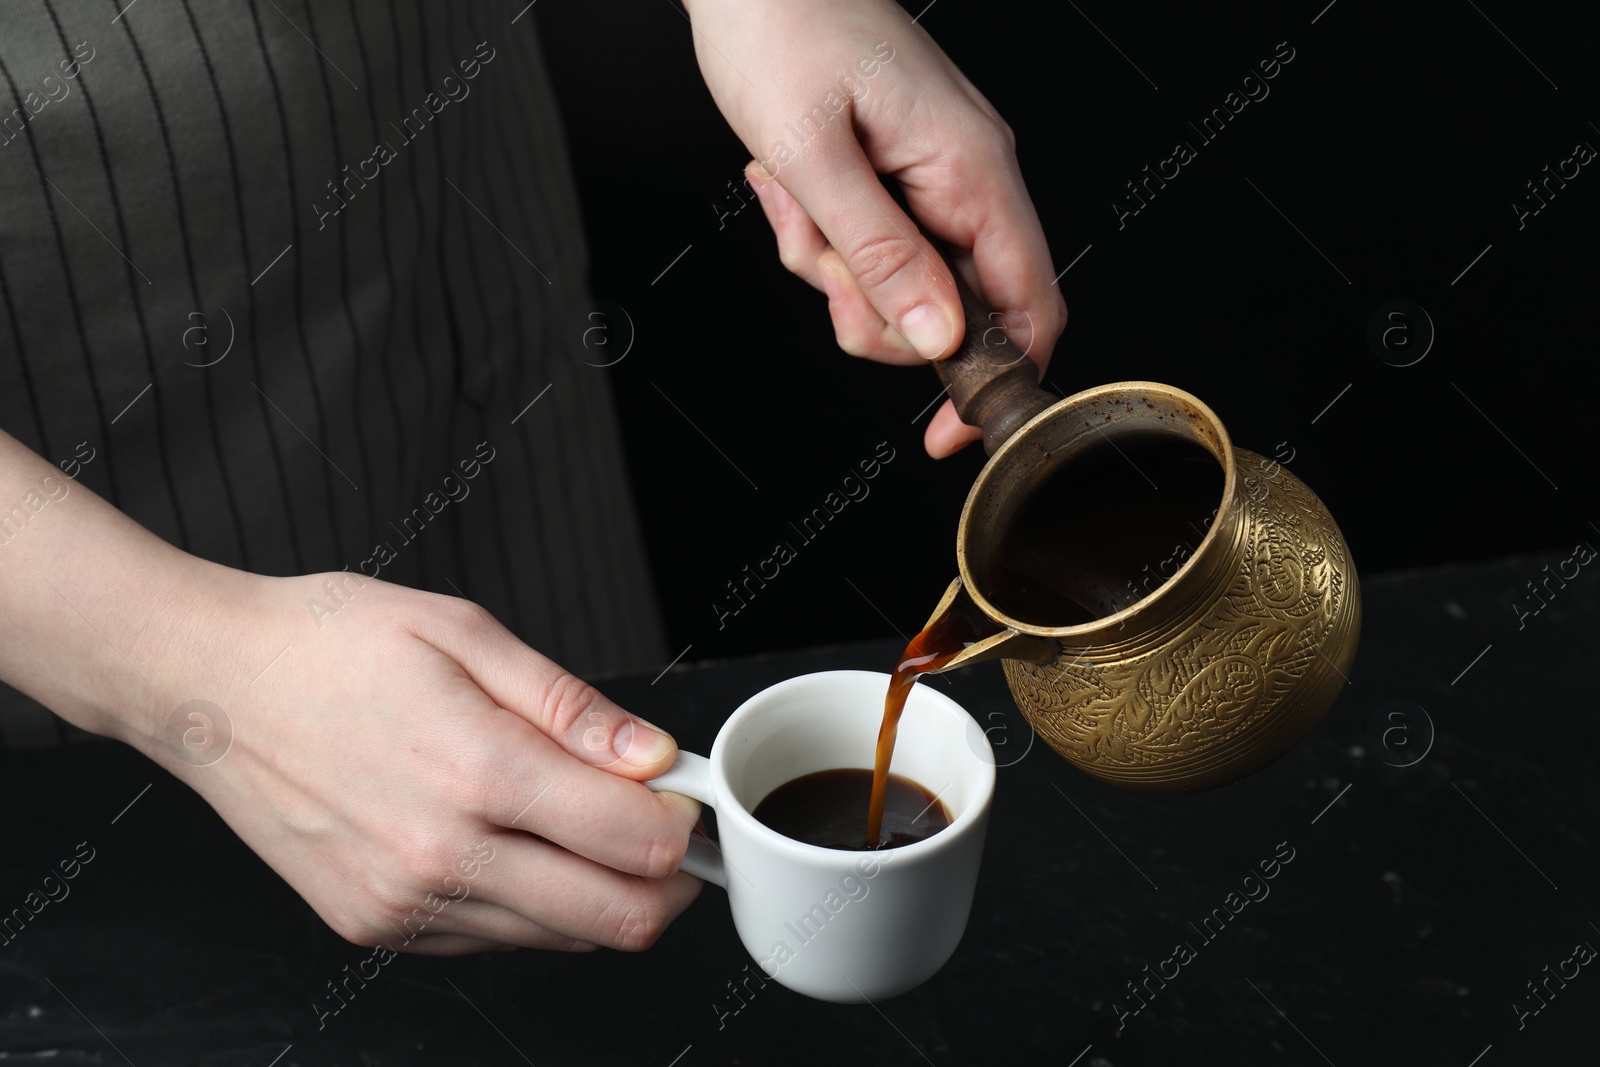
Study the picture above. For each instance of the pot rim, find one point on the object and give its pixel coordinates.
(1224, 519)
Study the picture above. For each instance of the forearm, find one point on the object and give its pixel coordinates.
(98, 616)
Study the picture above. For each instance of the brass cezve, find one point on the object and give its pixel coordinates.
(1218, 671)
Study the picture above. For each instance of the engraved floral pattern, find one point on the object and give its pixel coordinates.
(1224, 680)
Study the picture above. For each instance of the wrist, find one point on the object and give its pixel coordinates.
(163, 636)
(101, 621)
(196, 634)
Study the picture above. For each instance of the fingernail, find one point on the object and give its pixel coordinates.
(639, 743)
(928, 329)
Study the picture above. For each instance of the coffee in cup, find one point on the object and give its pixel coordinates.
(830, 808)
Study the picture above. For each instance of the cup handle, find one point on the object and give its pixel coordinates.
(691, 775)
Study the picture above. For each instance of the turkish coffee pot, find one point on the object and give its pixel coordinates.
(1207, 676)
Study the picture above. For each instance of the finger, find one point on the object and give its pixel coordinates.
(1015, 276)
(490, 925)
(947, 434)
(799, 240)
(535, 788)
(857, 326)
(1012, 337)
(1010, 266)
(893, 263)
(562, 706)
(573, 897)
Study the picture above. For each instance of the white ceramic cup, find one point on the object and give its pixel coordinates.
(837, 925)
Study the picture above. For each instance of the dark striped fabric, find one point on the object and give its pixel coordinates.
(366, 205)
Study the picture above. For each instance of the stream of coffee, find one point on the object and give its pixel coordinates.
(1093, 537)
(953, 630)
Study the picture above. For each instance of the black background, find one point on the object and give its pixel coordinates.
(1396, 141)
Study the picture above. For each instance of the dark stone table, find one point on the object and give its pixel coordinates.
(1419, 903)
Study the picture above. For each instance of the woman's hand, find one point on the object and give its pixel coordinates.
(829, 94)
(422, 778)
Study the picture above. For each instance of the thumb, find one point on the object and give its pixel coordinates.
(557, 703)
(900, 272)
(606, 736)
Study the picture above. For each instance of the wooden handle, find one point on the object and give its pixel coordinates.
(994, 384)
